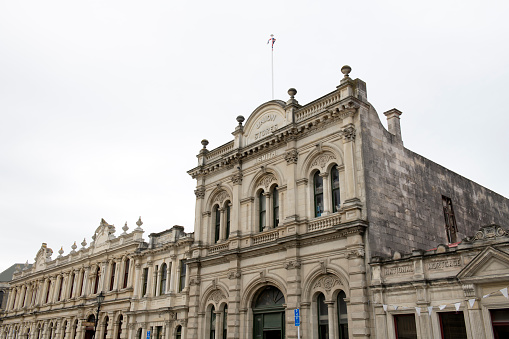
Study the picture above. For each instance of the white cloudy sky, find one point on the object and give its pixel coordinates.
(103, 103)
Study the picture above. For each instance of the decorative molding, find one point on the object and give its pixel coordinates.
(490, 232)
(234, 274)
(469, 290)
(327, 282)
(217, 296)
(221, 196)
(194, 281)
(292, 264)
(354, 254)
(349, 133)
(237, 178)
(200, 192)
(323, 160)
(291, 156)
(266, 180)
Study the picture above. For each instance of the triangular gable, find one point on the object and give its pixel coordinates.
(490, 265)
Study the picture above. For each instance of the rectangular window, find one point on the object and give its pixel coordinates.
(182, 282)
(450, 220)
(126, 273)
(404, 326)
(452, 325)
(145, 280)
(112, 277)
(500, 323)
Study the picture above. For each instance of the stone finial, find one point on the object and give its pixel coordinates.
(292, 92)
(61, 251)
(204, 142)
(139, 223)
(125, 228)
(240, 120)
(74, 247)
(346, 70)
(83, 243)
(26, 265)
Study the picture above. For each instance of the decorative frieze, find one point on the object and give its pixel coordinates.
(327, 282)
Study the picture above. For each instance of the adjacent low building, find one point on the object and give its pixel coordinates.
(315, 209)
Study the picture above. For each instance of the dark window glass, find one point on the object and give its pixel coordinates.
(145, 280)
(73, 277)
(182, 283)
(126, 273)
(450, 220)
(212, 323)
(1, 298)
(335, 188)
(164, 272)
(138, 335)
(217, 228)
(112, 277)
(75, 329)
(275, 204)
(47, 292)
(323, 317)
(120, 320)
(261, 198)
(500, 323)
(227, 220)
(59, 289)
(405, 326)
(105, 327)
(225, 322)
(342, 316)
(318, 194)
(96, 283)
(452, 325)
(178, 332)
(270, 296)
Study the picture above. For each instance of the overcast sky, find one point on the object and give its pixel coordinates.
(103, 103)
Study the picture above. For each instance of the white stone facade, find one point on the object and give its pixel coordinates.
(302, 210)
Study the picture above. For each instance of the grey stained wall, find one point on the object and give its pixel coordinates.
(404, 195)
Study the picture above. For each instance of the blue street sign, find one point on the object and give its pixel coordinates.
(297, 317)
(148, 334)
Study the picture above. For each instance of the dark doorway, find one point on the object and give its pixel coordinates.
(269, 314)
(500, 323)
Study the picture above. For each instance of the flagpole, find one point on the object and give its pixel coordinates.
(272, 66)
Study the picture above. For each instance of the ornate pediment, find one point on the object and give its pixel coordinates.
(265, 120)
(488, 266)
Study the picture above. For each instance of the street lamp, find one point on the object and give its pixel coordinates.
(100, 299)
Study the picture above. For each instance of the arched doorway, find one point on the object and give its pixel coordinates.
(269, 314)
(89, 327)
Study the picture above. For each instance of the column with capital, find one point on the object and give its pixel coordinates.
(137, 283)
(158, 281)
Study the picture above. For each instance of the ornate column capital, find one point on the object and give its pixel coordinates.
(200, 192)
(291, 156)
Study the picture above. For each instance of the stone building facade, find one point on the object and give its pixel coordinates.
(309, 207)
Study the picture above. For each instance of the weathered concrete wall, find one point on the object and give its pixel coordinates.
(404, 195)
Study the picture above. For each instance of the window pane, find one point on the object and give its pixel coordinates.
(453, 325)
(318, 193)
(323, 312)
(405, 326)
(275, 203)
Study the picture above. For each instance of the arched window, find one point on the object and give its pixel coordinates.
(162, 286)
(217, 228)
(64, 328)
(335, 188)
(225, 321)
(47, 292)
(212, 323)
(96, 283)
(275, 206)
(323, 317)
(75, 329)
(126, 273)
(178, 332)
(73, 277)
(138, 334)
(112, 276)
(318, 194)
(342, 316)
(105, 333)
(50, 335)
(263, 210)
(228, 213)
(60, 288)
(82, 283)
(119, 332)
